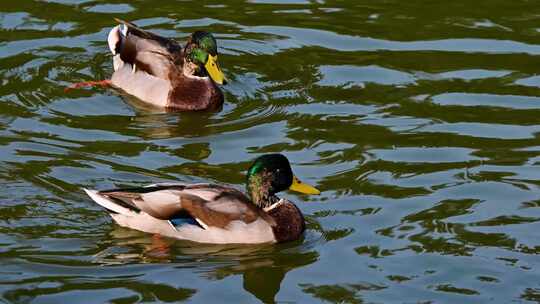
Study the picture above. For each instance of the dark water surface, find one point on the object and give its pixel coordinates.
(419, 121)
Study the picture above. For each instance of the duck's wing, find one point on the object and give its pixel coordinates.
(144, 50)
(210, 205)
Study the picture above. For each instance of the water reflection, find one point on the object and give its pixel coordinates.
(54, 289)
(347, 293)
(263, 267)
(424, 140)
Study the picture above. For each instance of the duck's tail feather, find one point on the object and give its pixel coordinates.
(116, 38)
(108, 203)
(116, 35)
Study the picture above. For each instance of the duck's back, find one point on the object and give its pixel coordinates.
(289, 220)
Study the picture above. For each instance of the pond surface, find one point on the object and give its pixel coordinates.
(419, 121)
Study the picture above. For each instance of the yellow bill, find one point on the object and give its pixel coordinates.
(301, 187)
(212, 67)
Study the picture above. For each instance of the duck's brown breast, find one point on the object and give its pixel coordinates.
(289, 220)
(194, 94)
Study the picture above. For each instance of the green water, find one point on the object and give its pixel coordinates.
(419, 121)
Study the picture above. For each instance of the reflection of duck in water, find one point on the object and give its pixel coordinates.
(162, 73)
(252, 262)
(169, 125)
(209, 213)
(263, 272)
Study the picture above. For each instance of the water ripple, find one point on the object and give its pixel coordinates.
(420, 128)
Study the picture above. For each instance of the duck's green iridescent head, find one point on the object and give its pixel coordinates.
(270, 174)
(201, 49)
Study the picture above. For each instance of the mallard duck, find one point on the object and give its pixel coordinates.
(210, 213)
(161, 72)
